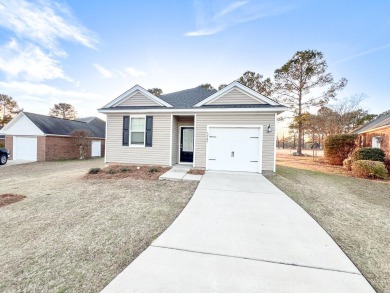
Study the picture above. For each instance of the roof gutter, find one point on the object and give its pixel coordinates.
(373, 129)
(208, 110)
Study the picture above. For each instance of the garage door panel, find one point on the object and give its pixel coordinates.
(234, 149)
(25, 148)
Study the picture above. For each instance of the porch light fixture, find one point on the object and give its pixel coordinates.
(269, 128)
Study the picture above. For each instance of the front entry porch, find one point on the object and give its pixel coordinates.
(183, 134)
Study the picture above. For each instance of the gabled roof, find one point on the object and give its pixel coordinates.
(381, 121)
(236, 84)
(197, 98)
(134, 89)
(59, 126)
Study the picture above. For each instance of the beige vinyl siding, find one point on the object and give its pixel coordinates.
(204, 119)
(138, 99)
(177, 122)
(235, 97)
(158, 154)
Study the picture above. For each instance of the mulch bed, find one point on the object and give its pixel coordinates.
(122, 171)
(8, 198)
(196, 172)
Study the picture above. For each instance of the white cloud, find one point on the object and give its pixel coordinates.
(103, 71)
(43, 22)
(363, 53)
(28, 62)
(43, 92)
(134, 72)
(214, 18)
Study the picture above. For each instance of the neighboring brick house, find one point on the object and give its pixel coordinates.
(376, 133)
(2, 138)
(37, 137)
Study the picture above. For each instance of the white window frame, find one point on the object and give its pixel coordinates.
(130, 131)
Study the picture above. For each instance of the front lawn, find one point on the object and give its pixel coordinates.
(355, 212)
(72, 234)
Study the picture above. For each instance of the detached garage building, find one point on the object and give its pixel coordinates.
(37, 137)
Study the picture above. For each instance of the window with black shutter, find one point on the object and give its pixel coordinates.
(149, 131)
(125, 131)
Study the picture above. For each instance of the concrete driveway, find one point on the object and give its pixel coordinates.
(239, 233)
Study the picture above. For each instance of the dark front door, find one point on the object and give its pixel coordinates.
(187, 144)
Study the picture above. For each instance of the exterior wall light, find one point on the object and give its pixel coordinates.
(269, 128)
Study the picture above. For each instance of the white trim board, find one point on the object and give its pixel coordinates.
(197, 110)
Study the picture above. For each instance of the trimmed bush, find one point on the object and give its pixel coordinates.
(338, 147)
(111, 171)
(124, 169)
(347, 164)
(94, 170)
(369, 169)
(153, 169)
(373, 154)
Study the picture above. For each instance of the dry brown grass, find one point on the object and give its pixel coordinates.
(317, 164)
(355, 212)
(76, 235)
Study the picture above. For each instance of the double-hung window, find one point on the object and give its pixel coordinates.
(137, 131)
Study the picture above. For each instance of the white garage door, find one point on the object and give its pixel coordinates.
(96, 148)
(234, 149)
(25, 148)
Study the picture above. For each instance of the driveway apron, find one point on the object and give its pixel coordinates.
(239, 233)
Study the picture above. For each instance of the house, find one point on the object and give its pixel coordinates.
(376, 133)
(37, 137)
(233, 129)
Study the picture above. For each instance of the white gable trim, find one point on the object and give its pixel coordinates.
(27, 127)
(133, 90)
(235, 84)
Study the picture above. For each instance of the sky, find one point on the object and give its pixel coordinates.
(87, 53)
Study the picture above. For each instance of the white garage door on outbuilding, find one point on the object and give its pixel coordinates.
(96, 148)
(234, 148)
(25, 148)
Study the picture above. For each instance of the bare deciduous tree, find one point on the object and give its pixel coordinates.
(82, 139)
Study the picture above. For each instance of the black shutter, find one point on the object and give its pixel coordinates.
(149, 131)
(125, 131)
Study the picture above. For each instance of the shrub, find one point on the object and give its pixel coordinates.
(369, 169)
(153, 169)
(124, 169)
(110, 171)
(373, 154)
(338, 147)
(347, 164)
(94, 170)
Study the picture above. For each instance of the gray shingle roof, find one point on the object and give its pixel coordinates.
(187, 98)
(380, 121)
(58, 126)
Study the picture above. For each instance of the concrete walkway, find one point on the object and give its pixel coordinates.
(179, 172)
(239, 233)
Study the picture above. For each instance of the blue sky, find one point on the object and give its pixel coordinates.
(88, 52)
